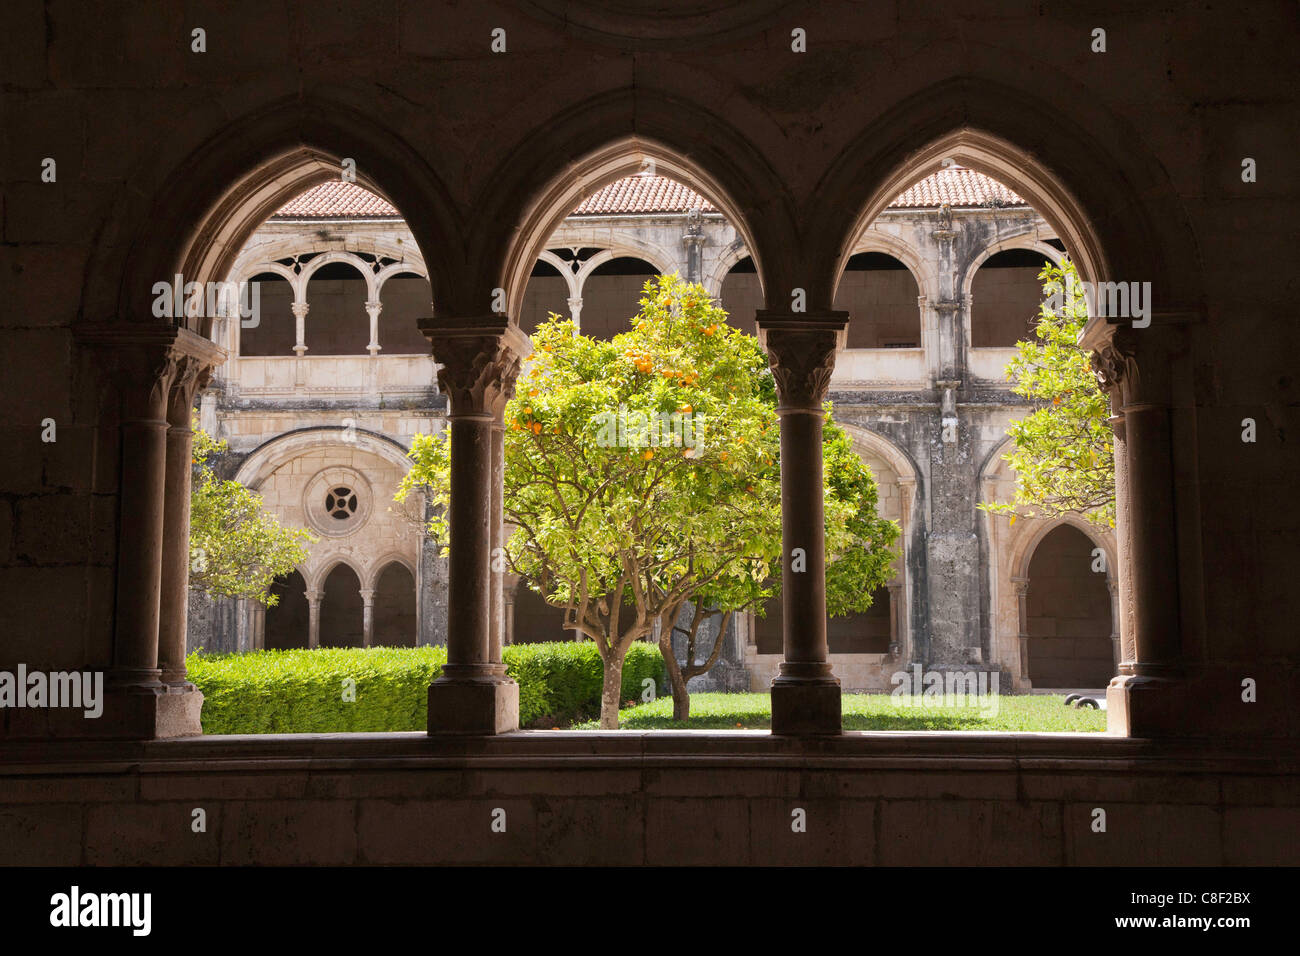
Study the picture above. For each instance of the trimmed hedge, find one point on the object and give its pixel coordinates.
(562, 681)
(300, 691)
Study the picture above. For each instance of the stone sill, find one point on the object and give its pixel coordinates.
(756, 749)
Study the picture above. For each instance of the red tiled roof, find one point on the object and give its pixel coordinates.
(957, 186)
(337, 200)
(642, 194)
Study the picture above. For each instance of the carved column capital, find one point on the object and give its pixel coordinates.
(801, 349)
(1115, 365)
(479, 361)
(149, 360)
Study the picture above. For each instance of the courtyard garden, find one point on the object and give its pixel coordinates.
(338, 690)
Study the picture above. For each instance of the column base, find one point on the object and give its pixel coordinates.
(1206, 704)
(480, 707)
(1141, 706)
(806, 708)
(135, 712)
(180, 711)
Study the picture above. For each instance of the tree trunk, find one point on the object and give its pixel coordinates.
(681, 699)
(611, 690)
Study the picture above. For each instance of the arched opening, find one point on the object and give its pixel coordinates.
(610, 296)
(394, 608)
(1005, 297)
(880, 294)
(742, 295)
(336, 322)
(536, 621)
(287, 621)
(272, 331)
(405, 298)
(861, 632)
(341, 609)
(547, 292)
(1068, 613)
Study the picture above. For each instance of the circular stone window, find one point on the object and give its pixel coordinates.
(341, 503)
(337, 501)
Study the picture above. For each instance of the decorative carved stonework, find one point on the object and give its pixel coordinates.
(150, 360)
(801, 351)
(191, 373)
(479, 362)
(1113, 366)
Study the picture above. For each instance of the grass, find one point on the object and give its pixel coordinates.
(1032, 713)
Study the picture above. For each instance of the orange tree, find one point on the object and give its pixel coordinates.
(1064, 454)
(642, 476)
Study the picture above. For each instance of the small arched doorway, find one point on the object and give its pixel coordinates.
(536, 621)
(1005, 297)
(394, 610)
(1068, 613)
(611, 296)
(287, 620)
(341, 609)
(741, 295)
(880, 294)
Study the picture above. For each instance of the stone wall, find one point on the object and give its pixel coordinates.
(634, 799)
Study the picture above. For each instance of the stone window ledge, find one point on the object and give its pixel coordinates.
(987, 751)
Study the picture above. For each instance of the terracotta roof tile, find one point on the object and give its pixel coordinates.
(957, 186)
(642, 194)
(337, 200)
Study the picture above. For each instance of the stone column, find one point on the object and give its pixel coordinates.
(146, 360)
(373, 309)
(1117, 650)
(300, 327)
(367, 616)
(496, 598)
(313, 617)
(300, 342)
(801, 349)
(895, 591)
(140, 537)
(1021, 586)
(1148, 697)
(693, 245)
(174, 618)
(480, 360)
(575, 310)
(508, 599)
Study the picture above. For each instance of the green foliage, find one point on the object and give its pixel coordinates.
(859, 543)
(295, 692)
(562, 680)
(237, 549)
(1064, 453)
(300, 691)
(643, 472)
(1024, 713)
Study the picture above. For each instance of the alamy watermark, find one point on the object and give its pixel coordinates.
(946, 689)
(1114, 300)
(209, 300)
(79, 690)
(76, 909)
(626, 428)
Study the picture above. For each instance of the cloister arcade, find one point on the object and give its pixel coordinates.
(1168, 159)
(326, 350)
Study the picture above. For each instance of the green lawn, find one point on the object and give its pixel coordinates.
(715, 711)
